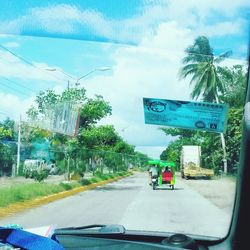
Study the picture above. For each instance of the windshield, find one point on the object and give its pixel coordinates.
(124, 113)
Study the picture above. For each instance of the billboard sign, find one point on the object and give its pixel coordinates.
(62, 118)
(184, 114)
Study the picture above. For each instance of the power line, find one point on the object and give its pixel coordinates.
(7, 115)
(28, 62)
(18, 84)
(16, 90)
(3, 113)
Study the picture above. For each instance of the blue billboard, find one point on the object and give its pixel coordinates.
(185, 114)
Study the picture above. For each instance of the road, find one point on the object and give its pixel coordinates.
(132, 203)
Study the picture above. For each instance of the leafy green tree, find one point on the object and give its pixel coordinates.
(234, 80)
(93, 111)
(94, 147)
(7, 129)
(201, 64)
(233, 137)
(100, 137)
(7, 146)
(182, 137)
(209, 142)
(108, 147)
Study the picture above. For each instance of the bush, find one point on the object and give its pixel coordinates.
(81, 168)
(98, 174)
(66, 186)
(61, 167)
(104, 177)
(94, 180)
(111, 176)
(101, 176)
(85, 182)
(40, 176)
(121, 174)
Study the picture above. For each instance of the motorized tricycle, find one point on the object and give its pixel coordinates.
(164, 174)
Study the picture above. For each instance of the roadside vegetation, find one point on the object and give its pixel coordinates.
(95, 148)
(96, 153)
(24, 192)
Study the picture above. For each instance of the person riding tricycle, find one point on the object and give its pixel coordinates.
(153, 170)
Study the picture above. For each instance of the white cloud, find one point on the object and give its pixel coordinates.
(11, 66)
(194, 11)
(76, 20)
(14, 106)
(229, 62)
(148, 70)
(24, 81)
(153, 152)
(222, 29)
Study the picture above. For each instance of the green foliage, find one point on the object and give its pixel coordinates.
(80, 167)
(7, 146)
(85, 182)
(107, 149)
(66, 186)
(111, 176)
(32, 113)
(94, 179)
(212, 154)
(7, 129)
(94, 149)
(102, 136)
(101, 176)
(44, 100)
(25, 192)
(233, 137)
(234, 79)
(201, 64)
(93, 111)
(121, 173)
(212, 83)
(40, 175)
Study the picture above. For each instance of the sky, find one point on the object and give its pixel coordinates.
(45, 44)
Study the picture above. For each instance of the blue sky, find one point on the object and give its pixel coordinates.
(120, 9)
(142, 42)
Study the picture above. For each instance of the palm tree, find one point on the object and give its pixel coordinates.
(201, 64)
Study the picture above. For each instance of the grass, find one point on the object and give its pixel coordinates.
(24, 192)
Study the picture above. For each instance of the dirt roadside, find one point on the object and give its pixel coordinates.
(12, 181)
(219, 190)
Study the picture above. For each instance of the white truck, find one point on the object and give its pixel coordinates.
(190, 163)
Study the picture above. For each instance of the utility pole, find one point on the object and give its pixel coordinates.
(18, 147)
(68, 168)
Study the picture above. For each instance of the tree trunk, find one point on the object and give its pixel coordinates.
(223, 143)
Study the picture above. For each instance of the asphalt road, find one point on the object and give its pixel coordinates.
(132, 203)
